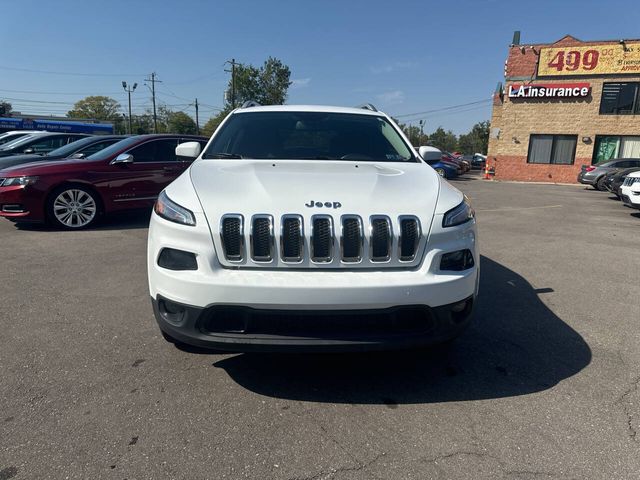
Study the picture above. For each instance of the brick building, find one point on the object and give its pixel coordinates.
(565, 104)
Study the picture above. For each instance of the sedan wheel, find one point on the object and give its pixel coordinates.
(441, 172)
(73, 208)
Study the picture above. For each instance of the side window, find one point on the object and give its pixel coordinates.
(144, 153)
(47, 144)
(166, 150)
(96, 147)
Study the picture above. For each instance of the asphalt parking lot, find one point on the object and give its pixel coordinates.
(545, 384)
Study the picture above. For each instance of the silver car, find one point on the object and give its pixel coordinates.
(595, 174)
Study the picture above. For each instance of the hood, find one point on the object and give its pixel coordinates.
(44, 166)
(12, 160)
(277, 187)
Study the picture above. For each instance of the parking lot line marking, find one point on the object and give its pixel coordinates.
(518, 209)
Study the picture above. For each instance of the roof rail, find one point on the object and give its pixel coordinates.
(250, 103)
(368, 106)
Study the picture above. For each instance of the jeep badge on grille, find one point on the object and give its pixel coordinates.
(312, 204)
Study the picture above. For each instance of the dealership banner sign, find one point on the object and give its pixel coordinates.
(549, 90)
(608, 59)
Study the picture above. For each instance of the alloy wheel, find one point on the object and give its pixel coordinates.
(74, 208)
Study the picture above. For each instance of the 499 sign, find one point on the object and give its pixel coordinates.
(589, 60)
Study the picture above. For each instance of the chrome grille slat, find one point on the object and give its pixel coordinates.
(409, 240)
(380, 238)
(232, 237)
(291, 239)
(351, 239)
(322, 239)
(262, 238)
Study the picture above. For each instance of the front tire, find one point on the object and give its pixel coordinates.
(73, 207)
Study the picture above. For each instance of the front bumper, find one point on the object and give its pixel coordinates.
(586, 178)
(21, 203)
(243, 329)
(630, 197)
(309, 297)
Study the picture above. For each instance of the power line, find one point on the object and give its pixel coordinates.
(32, 92)
(486, 100)
(73, 74)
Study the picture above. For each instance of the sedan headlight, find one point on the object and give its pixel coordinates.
(14, 181)
(459, 215)
(169, 210)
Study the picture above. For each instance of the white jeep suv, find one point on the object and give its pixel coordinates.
(311, 228)
(630, 190)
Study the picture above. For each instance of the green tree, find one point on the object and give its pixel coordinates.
(5, 109)
(445, 141)
(476, 141)
(213, 123)
(180, 122)
(96, 107)
(267, 85)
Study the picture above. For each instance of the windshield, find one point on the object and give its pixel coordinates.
(309, 135)
(113, 149)
(17, 142)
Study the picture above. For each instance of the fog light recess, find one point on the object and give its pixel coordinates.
(457, 261)
(173, 259)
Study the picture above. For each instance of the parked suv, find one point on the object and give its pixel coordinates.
(595, 174)
(630, 190)
(73, 193)
(311, 228)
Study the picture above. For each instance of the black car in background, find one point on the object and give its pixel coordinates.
(81, 148)
(613, 180)
(39, 143)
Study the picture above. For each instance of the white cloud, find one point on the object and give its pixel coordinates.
(300, 82)
(393, 97)
(392, 67)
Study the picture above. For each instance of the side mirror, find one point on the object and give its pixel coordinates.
(189, 150)
(29, 150)
(123, 158)
(423, 152)
(78, 156)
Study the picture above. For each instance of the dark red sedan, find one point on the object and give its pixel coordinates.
(73, 194)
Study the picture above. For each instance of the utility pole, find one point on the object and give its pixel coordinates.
(233, 81)
(153, 81)
(129, 89)
(197, 121)
(421, 130)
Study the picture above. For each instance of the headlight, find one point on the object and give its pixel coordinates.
(173, 212)
(459, 215)
(14, 181)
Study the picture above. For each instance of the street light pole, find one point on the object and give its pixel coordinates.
(129, 90)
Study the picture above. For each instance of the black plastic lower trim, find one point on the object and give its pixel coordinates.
(244, 329)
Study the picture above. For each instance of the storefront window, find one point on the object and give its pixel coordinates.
(620, 99)
(610, 147)
(554, 149)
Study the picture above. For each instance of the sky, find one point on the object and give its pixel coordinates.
(405, 57)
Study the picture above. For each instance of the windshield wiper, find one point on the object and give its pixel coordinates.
(222, 155)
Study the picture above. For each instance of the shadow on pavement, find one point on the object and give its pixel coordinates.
(121, 221)
(515, 346)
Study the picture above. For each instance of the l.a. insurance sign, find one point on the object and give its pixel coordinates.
(549, 90)
(589, 60)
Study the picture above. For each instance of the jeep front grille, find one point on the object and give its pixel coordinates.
(350, 241)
